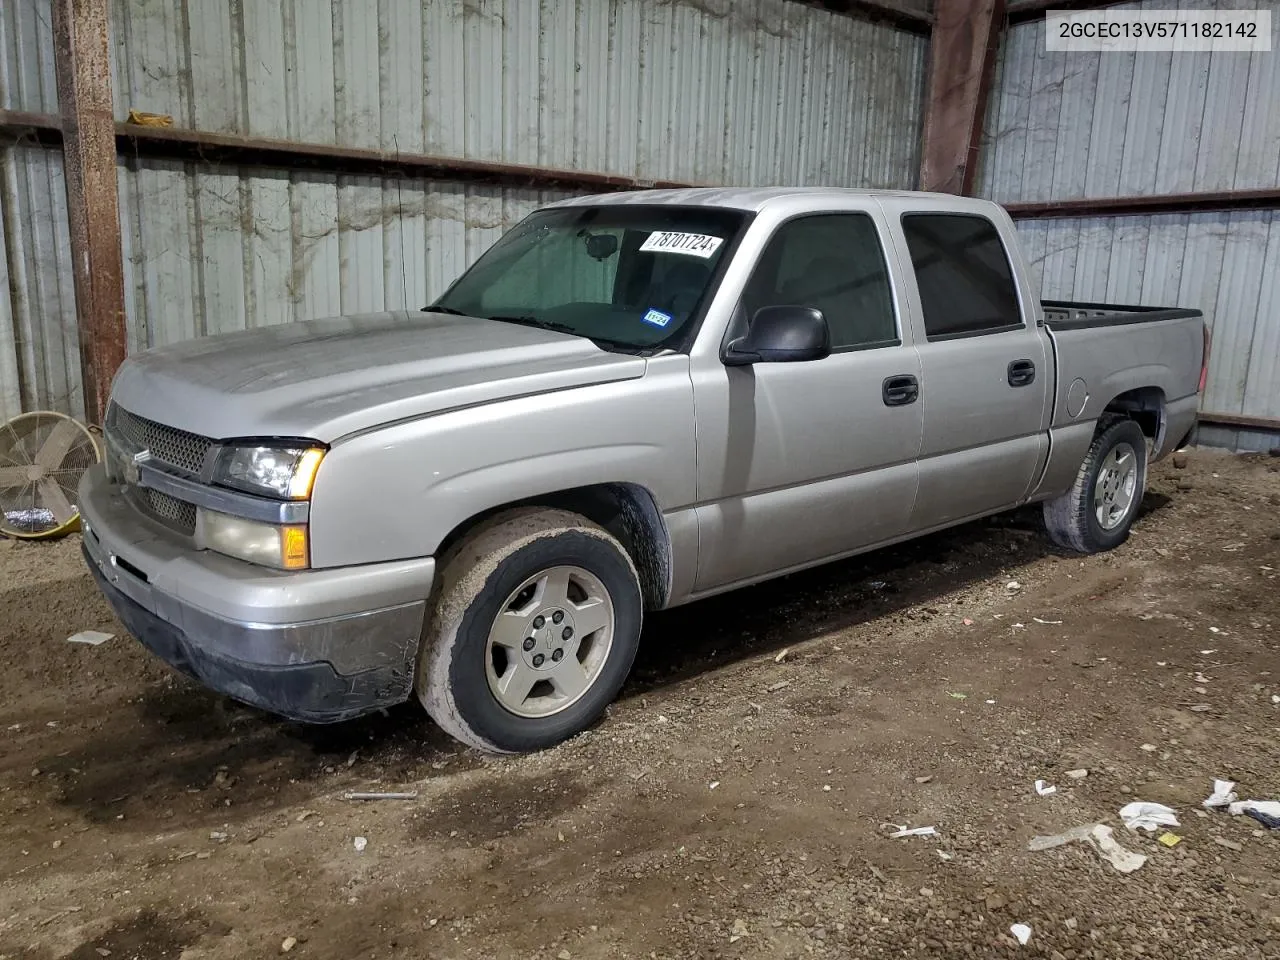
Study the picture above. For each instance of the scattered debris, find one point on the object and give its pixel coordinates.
(1044, 789)
(1201, 708)
(1148, 816)
(1275, 698)
(1169, 839)
(1206, 653)
(782, 655)
(877, 584)
(1214, 630)
(714, 784)
(413, 795)
(924, 779)
(564, 955)
(1201, 678)
(1021, 932)
(1100, 837)
(1013, 586)
(778, 686)
(957, 696)
(1049, 623)
(1149, 747)
(904, 831)
(1078, 774)
(1266, 812)
(989, 702)
(943, 855)
(303, 815)
(360, 843)
(91, 637)
(967, 622)
(738, 931)
(1222, 795)
(288, 944)
(1229, 844)
(217, 835)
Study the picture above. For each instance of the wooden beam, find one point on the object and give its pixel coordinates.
(961, 60)
(201, 146)
(908, 16)
(1240, 421)
(83, 67)
(1267, 199)
(1024, 11)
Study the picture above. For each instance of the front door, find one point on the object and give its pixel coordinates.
(801, 462)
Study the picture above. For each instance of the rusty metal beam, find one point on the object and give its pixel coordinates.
(82, 64)
(962, 57)
(199, 146)
(1142, 206)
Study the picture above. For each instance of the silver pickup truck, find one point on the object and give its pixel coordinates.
(629, 402)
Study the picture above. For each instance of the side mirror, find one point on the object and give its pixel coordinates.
(783, 334)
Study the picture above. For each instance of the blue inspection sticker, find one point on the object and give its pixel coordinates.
(657, 318)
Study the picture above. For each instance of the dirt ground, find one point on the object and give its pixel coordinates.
(736, 802)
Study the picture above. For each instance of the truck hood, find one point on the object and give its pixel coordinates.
(324, 379)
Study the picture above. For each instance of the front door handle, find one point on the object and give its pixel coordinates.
(901, 390)
(1021, 373)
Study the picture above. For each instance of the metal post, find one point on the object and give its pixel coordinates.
(82, 63)
(962, 55)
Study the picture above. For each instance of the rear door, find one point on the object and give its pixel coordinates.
(984, 376)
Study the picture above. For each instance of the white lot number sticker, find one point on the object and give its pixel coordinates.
(693, 244)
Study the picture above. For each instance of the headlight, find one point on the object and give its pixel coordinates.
(282, 547)
(283, 472)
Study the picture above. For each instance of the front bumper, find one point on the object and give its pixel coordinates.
(319, 646)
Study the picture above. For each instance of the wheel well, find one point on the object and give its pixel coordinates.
(626, 510)
(1145, 406)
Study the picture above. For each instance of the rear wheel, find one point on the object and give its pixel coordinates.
(534, 631)
(1097, 513)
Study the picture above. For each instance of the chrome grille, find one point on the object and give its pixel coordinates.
(173, 513)
(180, 449)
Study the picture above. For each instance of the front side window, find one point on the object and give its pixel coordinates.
(834, 262)
(627, 276)
(962, 271)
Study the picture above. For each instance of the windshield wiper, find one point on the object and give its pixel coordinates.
(436, 308)
(604, 343)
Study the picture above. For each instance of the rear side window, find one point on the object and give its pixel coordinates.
(966, 286)
(832, 261)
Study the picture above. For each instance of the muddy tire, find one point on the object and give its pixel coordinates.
(1097, 513)
(533, 632)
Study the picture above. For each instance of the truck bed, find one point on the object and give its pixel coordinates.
(1071, 315)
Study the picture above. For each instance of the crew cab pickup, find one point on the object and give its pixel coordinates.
(629, 402)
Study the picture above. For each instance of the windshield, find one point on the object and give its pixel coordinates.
(628, 276)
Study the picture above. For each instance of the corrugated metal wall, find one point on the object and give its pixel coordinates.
(1066, 126)
(715, 91)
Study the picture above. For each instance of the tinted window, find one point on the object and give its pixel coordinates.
(963, 274)
(833, 262)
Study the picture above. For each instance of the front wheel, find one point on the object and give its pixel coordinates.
(534, 631)
(1097, 513)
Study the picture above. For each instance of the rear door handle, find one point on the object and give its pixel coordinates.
(1021, 373)
(901, 390)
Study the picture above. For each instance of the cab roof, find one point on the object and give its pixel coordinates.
(751, 199)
